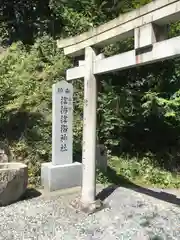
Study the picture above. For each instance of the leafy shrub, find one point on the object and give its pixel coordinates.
(26, 78)
(143, 172)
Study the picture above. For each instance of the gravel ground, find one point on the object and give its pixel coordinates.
(132, 215)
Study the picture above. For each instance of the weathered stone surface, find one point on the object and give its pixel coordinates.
(3, 156)
(5, 153)
(101, 157)
(13, 182)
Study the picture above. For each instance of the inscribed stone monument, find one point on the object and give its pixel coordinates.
(61, 172)
(62, 119)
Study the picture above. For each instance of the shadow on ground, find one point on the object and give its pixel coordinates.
(30, 193)
(118, 181)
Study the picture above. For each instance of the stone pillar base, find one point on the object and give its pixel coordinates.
(90, 208)
(57, 177)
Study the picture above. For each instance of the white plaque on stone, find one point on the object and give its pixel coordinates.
(62, 120)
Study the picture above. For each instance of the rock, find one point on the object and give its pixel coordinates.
(5, 153)
(101, 157)
(3, 156)
(13, 182)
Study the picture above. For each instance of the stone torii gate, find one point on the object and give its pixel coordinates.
(148, 26)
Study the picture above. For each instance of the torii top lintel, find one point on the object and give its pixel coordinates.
(158, 12)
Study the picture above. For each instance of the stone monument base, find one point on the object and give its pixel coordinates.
(57, 177)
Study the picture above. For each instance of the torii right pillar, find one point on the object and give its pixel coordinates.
(89, 131)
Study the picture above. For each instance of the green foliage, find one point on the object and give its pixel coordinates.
(25, 99)
(138, 109)
(101, 177)
(26, 20)
(139, 171)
